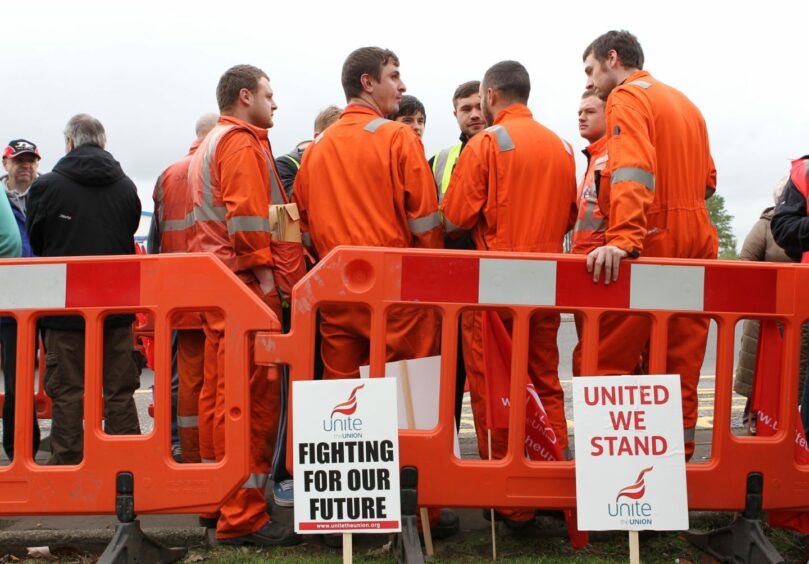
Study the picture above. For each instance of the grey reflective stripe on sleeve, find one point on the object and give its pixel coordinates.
(207, 461)
(375, 124)
(255, 481)
(633, 174)
(503, 138)
(307, 239)
(422, 224)
(689, 435)
(642, 83)
(450, 227)
(253, 223)
(568, 148)
(187, 421)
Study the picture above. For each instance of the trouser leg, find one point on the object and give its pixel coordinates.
(64, 383)
(191, 370)
(121, 379)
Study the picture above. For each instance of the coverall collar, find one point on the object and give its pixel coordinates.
(259, 131)
(513, 111)
(595, 147)
(355, 108)
(637, 75)
(194, 146)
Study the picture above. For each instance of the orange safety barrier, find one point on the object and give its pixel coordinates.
(95, 287)
(42, 402)
(523, 284)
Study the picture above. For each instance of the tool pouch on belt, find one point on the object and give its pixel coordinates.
(286, 247)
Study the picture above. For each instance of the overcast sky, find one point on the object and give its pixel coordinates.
(148, 69)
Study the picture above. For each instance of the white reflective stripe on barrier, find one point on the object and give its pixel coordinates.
(36, 286)
(517, 282)
(667, 287)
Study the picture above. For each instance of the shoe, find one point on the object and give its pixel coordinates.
(271, 534)
(447, 525)
(177, 453)
(283, 493)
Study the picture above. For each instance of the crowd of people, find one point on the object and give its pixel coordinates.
(509, 184)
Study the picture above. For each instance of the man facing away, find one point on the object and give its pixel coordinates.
(86, 206)
(653, 191)
(514, 187)
(233, 180)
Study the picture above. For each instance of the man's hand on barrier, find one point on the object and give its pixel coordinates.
(607, 257)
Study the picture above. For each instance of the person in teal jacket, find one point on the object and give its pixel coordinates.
(10, 241)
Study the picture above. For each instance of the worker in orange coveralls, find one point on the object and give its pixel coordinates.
(365, 181)
(171, 233)
(233, 179)
(659, 174)
(589, 231)
(514, 187)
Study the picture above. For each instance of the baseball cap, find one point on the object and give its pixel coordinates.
(17, 147)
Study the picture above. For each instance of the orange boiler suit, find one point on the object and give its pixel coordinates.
(659, 173)
(173, 205)
(591, 225)
(514, 187)
(234, 181)
(366, 182)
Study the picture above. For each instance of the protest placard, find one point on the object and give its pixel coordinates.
(346, 452)
(630, 462)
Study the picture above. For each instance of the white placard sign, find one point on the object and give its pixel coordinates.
(424, 375)
(346, 452)
(630, 463)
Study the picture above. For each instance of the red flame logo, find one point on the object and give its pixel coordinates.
(349, 406)
(636, 490)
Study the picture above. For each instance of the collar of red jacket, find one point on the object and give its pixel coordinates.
(360, 109)
(637, 75)
(597, 147)
(230, 120)
(513, 111)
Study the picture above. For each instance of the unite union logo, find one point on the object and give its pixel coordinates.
(347, 427)
(349, 406)
(634, 511)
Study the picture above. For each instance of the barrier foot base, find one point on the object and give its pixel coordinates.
(129, 544)
(742, 542)
(407, 547)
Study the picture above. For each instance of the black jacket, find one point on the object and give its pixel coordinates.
(86, 206)
(288, 166)
(790, 223)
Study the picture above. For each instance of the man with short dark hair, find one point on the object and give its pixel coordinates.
(412, 114)
(653, 191)
(86, 206)
(233, 180)
(289, 164)
(21, 160)
(466, 109)
(514, 187)
(365, 181)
